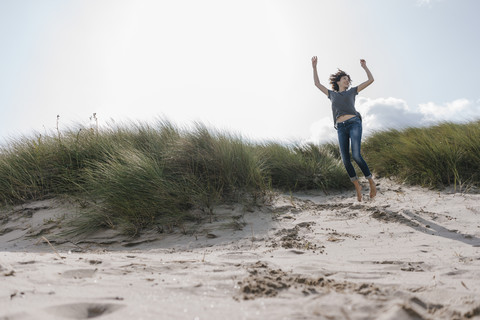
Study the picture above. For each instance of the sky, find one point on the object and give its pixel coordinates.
(240, 66)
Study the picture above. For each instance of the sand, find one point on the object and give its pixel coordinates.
(411, 253)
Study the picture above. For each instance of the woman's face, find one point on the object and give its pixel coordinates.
(344, 82)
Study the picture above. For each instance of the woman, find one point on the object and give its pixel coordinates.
(348, 121)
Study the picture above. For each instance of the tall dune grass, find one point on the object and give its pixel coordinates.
(441, 155)
(137, 176)
(303, 167)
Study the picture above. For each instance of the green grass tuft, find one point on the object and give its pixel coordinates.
(441, 155)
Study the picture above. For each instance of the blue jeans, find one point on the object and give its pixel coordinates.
(351, 130)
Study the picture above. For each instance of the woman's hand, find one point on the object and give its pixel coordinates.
(314, 61)
(363, 63)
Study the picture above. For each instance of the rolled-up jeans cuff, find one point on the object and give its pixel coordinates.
(368, 177)
(353, 178)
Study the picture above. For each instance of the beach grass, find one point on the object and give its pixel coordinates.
(303, 167)
(136, 176)
(442, 155)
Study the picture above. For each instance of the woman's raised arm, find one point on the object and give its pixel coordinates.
(315, 77)
(370, 80)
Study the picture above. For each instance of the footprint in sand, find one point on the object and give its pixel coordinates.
(400, 312)
(239, 255)
(84, 310)
(412, 267)
(79, 273)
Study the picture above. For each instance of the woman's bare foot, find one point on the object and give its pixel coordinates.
(373, 188)
(358, 189)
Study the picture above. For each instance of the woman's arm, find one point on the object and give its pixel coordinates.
(315, 77)
(370, 80)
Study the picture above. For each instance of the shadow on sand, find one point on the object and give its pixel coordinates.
(419, 223)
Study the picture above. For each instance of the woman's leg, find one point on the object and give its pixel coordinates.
(344, 144)
(356, 138)
(358, 190)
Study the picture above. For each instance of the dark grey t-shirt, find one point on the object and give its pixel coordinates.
(343, 102)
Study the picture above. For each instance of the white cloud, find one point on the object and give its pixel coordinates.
(461, 110)
(386, 113)
(322, 131)
(392, 113)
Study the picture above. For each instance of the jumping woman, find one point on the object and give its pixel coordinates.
(348, 121)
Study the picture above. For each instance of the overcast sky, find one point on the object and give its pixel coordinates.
(243, 66)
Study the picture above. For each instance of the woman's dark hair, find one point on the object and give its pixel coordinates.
(334, 78)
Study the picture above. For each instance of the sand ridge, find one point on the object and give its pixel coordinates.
(411, 253)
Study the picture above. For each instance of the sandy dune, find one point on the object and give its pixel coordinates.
(409, 254)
